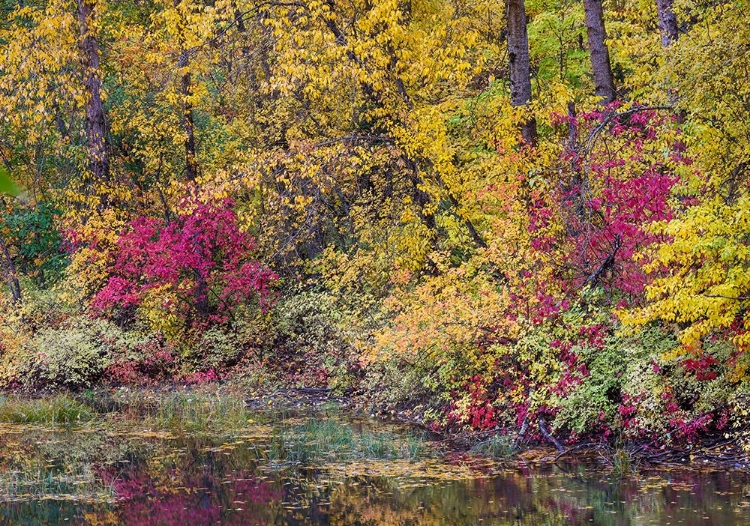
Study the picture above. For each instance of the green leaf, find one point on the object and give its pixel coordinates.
(7, 186)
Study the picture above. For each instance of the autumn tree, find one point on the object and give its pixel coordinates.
(707, 291)
(42, 96)
(478, 236)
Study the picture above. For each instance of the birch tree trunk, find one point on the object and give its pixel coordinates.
(669, 34)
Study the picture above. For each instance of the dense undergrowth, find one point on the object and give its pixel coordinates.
(360, 213)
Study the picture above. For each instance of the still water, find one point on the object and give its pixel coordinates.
(325, 469)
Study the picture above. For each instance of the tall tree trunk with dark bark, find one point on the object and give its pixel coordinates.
(667, 22)
(520, 65)
(188, 125)
(604, 84)
(96, 126)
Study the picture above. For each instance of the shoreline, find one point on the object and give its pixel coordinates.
(710, 453)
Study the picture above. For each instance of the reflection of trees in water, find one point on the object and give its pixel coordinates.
(203, 484)
(497, 500)
(552, 498)
(207, 481)
(178, 498)
(156, 482)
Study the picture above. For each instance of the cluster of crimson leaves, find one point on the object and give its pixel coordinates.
(602, 232)
(604, 229)
(203, 259)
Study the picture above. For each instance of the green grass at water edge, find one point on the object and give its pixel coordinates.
(322, 439)
(196, 413)
(60, 409)
(497, 446)
(173, 411)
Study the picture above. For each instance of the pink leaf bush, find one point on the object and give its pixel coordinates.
(203, 258)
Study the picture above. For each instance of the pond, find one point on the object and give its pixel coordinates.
(196, 460)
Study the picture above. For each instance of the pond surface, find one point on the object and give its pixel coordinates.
(322, 468)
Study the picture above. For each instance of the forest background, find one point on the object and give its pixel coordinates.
(530, 217)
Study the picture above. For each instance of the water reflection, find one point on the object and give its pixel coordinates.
(100, 477)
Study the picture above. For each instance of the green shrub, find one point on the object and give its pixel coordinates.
(71, 356)
(31, 232)
(636, 389)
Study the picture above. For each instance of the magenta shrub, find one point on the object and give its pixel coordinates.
(202, 257)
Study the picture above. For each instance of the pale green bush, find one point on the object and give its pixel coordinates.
(72, 356)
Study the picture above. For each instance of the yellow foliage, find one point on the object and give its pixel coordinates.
(706, 289)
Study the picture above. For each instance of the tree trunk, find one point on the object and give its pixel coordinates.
(11, 275)
(520, 65)
(604, 84)
(667, 22)
(95, 116)
(572, 147)
(188, 126)
(669, 33)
